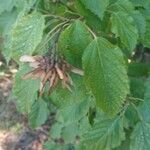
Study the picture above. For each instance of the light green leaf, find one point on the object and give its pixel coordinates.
(139, 22)
(56, 130)
(51, 145)
(25, 90)
(137, 87)
(39, 113)
(146, 40)
(26, 34)
(106, 75)
(105, 134)
(125, 145)
(70, 132)
(122, 5)
(123, 27)
(63, 97)
(7, 19)
(144, 108)
(131, 117)
(98, 7)
(143, 3)
(6, 5)
(140, 138)
(74, 112)
(73, 41)
(91, 19)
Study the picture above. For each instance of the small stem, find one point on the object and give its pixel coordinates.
(56, 17)
(139, 114)
(91, 32)
(59, 25)
(134, 98)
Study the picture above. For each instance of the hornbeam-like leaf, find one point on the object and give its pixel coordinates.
(25, 90)
(140, 138)
(39, 113)
(144, 108)
(97, 7)
(123, 27)
(105, 134)
(146, 40)
(26, 34)
(106, 75)
(6, 5)
(73, 40)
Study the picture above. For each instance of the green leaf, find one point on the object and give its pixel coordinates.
(144, 108)
(63, 97)
(70, 132)
(7, 19)
(6, 5)
(131, 116)
(26, 34)
(39, 113)
(125, 145)
(139, 22)
(97, 7)
(105, 134)
(91, 19)
(140, 138)
(74, 112)
(106, 75)
(51, 145)
(138, 69)
(123, 27)
(146, 40)
(56, 130)
(122, 5)
(137, 87)
(73, 40)
(141, 3)
(25, 90)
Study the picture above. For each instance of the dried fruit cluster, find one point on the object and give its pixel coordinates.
(50, 70)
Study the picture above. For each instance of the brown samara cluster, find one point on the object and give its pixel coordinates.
(50, 70)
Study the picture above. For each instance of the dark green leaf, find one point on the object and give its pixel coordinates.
(106, 75)
(137, 87)
(138, 69)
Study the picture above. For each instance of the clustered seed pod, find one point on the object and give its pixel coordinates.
(50, 70)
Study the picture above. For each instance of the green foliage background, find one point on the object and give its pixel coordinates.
(110, 105)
